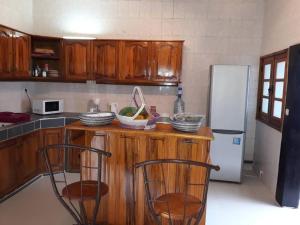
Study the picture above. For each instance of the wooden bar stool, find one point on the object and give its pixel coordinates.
(180, 198)
(78, 191)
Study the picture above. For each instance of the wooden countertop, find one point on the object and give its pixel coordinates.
(204, 133)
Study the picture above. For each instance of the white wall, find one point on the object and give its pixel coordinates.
(16, 14)
(266, 156)
(215, 32)
(281, 23)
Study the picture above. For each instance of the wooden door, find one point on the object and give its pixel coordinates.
(21, 48)
(27, 157)
(8, 176)
(105, 60)
(166, 61)
(51, 137)
(6, 53)
(134, 61)
(77, 60)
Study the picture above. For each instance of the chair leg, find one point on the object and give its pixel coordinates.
(83, 213)
(190, 221)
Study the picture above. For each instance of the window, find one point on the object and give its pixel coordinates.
(272, 89)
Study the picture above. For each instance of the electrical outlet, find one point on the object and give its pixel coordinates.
(261, 173)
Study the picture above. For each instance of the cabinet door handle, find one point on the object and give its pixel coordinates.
(125, 136)
(157, 138)
(189, 141)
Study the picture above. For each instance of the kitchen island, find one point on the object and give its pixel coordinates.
(125, 202)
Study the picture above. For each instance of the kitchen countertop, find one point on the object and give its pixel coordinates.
(37, 122)
(204, 133)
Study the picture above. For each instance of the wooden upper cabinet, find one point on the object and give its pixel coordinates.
(21, 45)
(77, 59)
(166, 61)
(6, 53)
(134, 60)
(105, 60)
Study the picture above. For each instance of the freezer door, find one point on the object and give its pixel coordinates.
(227, 151)
(228, 98)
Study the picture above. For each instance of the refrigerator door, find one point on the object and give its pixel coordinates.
(227, 151)
(229, 88)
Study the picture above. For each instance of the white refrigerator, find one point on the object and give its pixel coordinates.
(227, 118)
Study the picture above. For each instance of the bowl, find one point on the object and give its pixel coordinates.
(187, 122)
(129, 122)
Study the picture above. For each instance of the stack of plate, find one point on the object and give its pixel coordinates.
(97, 119)
(187, 122)
(53, 73)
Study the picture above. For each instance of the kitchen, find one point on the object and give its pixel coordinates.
(214, 32)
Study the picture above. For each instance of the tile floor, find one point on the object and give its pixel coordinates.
(228, 204)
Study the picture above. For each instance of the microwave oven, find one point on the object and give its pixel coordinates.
(47, 106)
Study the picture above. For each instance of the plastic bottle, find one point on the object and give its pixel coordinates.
(179, 103)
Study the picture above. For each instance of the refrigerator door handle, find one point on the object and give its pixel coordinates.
(220, 131)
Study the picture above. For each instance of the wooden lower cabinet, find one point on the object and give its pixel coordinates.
(51, 136)
(18, 162)
(73, 155)
(27, 157)
(125, 202)
(8, 172)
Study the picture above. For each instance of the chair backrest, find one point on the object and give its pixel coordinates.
(77, 191)
(176, 190)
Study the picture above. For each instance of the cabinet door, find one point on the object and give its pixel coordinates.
(166, 61)
(188, 148)
(134, 60)
(105, 60)
(51, 137)
(21, 46)
(75, 137)
(27, 157)
(118, 174)
(6, 53)
(8, 178)
(77, 60)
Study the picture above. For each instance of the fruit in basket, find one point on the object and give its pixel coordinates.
(140, 117)
(128, 111)
(131, 111)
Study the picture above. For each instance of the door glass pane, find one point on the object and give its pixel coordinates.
(267, 71)
(280, 69)
(265, 105)
(279, 89)
(277, 109)
(266, 88)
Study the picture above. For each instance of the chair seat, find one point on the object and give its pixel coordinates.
(179, 205)
(89, 190)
